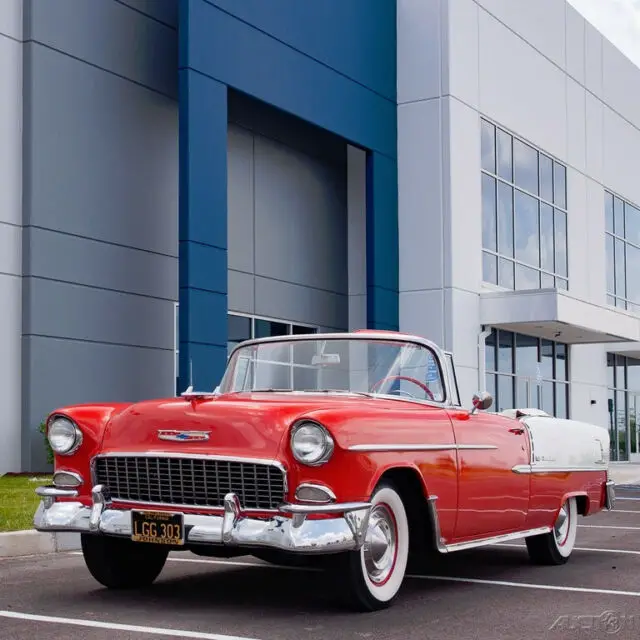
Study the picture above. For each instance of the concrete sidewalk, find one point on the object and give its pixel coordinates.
(32, 542)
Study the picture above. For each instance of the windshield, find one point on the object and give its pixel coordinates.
(337, 365)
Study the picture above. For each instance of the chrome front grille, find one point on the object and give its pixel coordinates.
(197, 482)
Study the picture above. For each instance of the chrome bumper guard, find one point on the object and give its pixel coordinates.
(610, 495)
(293, 532)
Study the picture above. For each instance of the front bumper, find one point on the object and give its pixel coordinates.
(290, 532)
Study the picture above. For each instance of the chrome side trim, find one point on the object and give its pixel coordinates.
(421, 447)
(340, 507)
(442, 547)
(532, 468)
(55, 492)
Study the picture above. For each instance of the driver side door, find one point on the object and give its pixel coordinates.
(492, 498)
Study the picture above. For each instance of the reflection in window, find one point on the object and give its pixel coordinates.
(623, 376)
(524, 371)
(622, 243)
(524, 214)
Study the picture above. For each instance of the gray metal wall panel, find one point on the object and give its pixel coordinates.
(287, 231)
(165, 11)
(70, 371)
(111, 36)
(68, 258)
(101, 201)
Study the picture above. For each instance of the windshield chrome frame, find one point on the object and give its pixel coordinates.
(371, 336)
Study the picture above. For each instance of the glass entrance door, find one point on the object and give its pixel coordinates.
(634, 427)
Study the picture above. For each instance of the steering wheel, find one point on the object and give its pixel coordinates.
(422, 385)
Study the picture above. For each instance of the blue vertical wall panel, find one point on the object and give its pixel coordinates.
(331, 63)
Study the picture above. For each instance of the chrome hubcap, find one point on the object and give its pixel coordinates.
(561, 527)
(380, 544)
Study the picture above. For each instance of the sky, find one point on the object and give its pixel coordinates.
(617, 20)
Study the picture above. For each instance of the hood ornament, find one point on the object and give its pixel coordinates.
(183, 436)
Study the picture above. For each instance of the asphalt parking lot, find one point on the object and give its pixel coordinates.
(492, 593)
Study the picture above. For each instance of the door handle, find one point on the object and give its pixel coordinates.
(517, 430)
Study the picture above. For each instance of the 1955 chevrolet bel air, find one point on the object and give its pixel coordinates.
(350, 448)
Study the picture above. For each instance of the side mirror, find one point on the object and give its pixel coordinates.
(481, 402)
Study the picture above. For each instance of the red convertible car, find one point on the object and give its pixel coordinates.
(349, 447)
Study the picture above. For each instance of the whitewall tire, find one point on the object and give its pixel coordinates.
(556, 546)
(376, 572)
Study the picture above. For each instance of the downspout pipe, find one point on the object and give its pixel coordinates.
(482, 360)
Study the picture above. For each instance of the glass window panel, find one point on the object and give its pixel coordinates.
(547, 252)
(526, 228)
(562, 284)
(633, 375)
(547, 397)
(608, 212)
(505, 155)
(505, 352)
(621, 424)
(561, 243)
(634, 423)
(488, 147)
(610, 370)
(525, 164)
(546, 178)
(632, 224)
(238, 328)
(619, 261)
(297, 330)
(267, 328)
(489, 268)
(611, 300)
(621, 376)
(611, 273)
(559, 185)
(618, 217)
(525, 392)
(561, 370)
(562, 401)
(505, 393)
(634, 308)
(505, 219)
(526, 355)
(633, 269)
(546, 359)
(547, 281)
(611, 407)
(490, 382)
(527, 278)
(488, 212)
(490, 351)
(620, 303)
(506, 276)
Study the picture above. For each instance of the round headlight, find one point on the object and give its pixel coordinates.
(64, 436)
(311, 443)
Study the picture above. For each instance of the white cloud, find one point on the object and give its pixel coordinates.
(617, 20)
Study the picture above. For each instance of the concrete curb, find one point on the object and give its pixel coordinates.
(31, 542)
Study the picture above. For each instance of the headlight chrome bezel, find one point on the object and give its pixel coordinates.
(77, 435)
(328, 444)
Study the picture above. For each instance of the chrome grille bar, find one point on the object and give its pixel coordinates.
(198, 481)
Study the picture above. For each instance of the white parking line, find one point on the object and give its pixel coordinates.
(623, 511)
(621, 551)
(500, 583)
(628, 499)
(607, 526)
(114, 626)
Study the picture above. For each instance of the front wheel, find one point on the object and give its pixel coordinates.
(556, 546)
(375, 573)
(119, 563)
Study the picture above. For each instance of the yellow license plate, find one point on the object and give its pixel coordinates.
(157, 527)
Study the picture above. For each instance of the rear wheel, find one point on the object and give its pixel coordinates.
(375, 573)
(556, 546)
(119, 563)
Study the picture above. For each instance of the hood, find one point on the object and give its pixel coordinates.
(242, 425)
